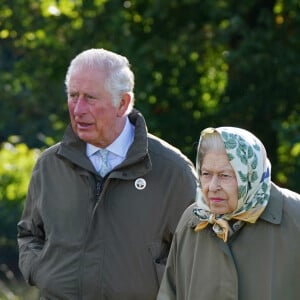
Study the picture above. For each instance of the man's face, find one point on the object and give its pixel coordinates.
(94, 117)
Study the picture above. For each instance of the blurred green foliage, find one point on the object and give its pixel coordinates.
(17, 161)
(197, 64)
(15, 169)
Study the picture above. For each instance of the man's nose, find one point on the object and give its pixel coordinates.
(80, 106)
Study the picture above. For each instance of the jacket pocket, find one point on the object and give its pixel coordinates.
(35, 265)
(159, 251)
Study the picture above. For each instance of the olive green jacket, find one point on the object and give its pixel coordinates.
(261, 261)
(83, 238)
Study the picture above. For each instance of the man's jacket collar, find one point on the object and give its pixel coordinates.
(73, 148)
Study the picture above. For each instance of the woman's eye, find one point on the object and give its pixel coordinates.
(225, 176)
(204, 173)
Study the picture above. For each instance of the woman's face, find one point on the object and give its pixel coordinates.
(218, 183)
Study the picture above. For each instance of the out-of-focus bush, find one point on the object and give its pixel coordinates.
(17, 161)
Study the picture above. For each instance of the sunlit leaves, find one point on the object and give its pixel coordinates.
(214, 80)
(4, 34)
(61, 7)
(15, 169)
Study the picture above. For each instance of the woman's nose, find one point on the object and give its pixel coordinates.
(214, 183)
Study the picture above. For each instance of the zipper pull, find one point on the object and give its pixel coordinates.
(98, 188)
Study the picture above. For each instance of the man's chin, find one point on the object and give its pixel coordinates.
(86, 137)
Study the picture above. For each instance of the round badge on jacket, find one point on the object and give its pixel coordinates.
(140, 183)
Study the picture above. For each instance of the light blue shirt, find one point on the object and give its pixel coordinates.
(117, 149)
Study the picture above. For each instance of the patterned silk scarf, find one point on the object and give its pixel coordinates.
(248, 158)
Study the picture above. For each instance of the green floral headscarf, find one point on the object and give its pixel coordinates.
(248, 158)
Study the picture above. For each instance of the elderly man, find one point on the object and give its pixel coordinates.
(103, 204)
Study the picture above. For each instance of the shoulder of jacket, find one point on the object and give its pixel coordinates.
(52, 150)
(169, 152)
(187, 220)
(290, 202)
(277, 191)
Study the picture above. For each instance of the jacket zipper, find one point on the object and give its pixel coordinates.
(99, 188)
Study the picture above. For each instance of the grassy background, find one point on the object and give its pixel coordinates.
(17, 291)
(13, 288)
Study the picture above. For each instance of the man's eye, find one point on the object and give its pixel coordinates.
(91, 99)
(73, 95)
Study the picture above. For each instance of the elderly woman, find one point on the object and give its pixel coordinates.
(241, 239)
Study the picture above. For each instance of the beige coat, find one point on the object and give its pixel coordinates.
(260, 262)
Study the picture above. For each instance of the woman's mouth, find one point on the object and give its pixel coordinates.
(216, 200)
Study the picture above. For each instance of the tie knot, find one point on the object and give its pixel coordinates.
(103, 154)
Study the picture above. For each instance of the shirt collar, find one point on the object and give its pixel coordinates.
(120, 145)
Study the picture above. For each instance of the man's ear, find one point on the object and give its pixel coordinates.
(124, 104)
